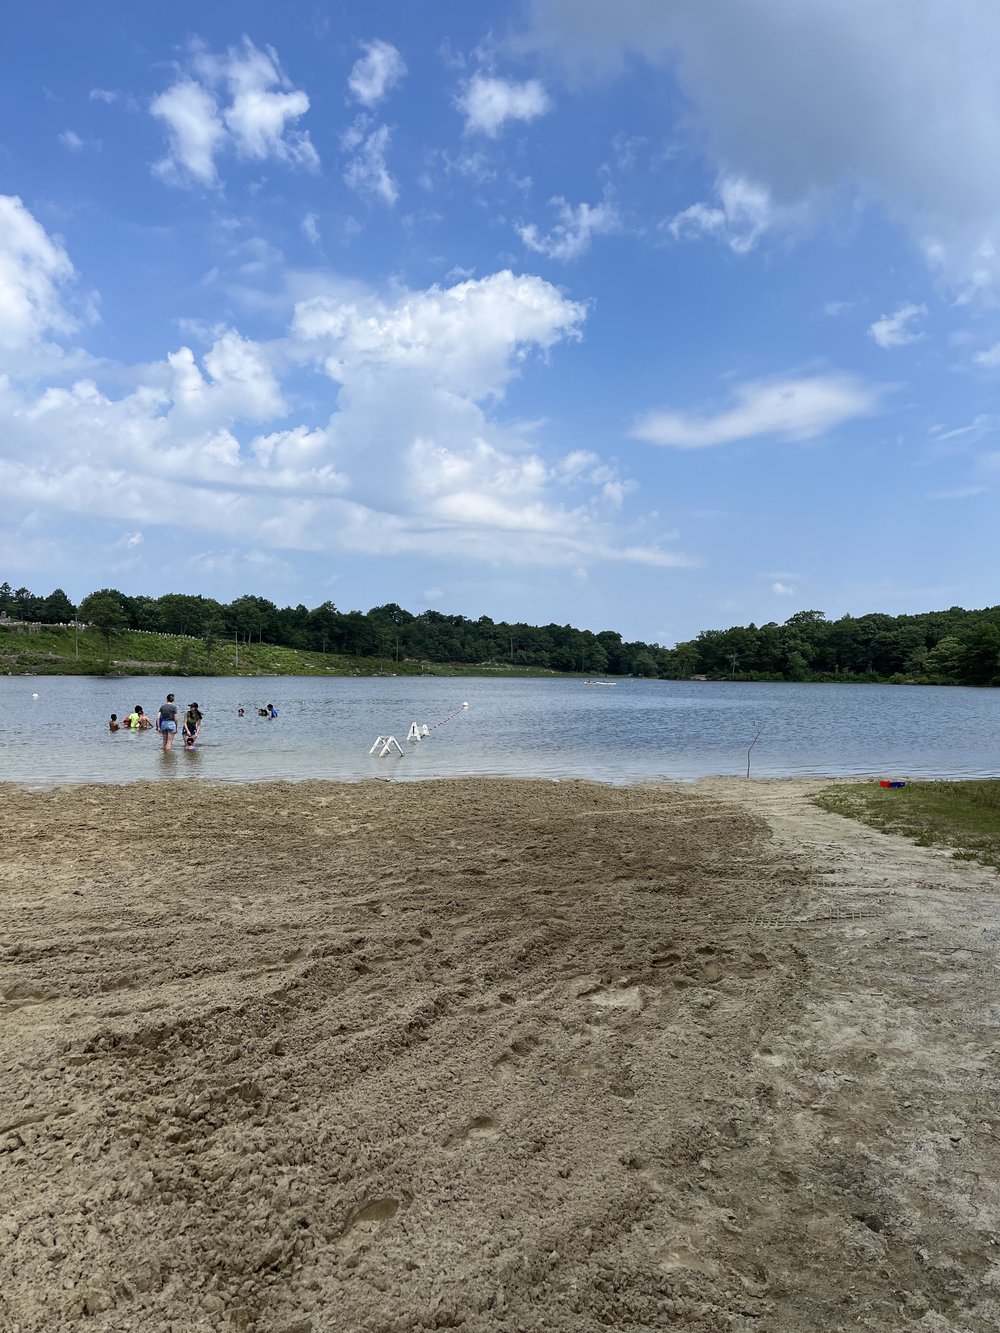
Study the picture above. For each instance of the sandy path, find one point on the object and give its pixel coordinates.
(493, 1056)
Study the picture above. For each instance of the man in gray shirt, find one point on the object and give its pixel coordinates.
(168, 722)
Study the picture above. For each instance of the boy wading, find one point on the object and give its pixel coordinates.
(168, 722)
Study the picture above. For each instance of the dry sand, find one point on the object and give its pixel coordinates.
(491, 1055)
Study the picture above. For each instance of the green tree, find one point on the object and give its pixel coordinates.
(945, 659)
(210, 635)
(57, 609)
(104, 610)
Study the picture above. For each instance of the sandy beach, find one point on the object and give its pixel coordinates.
(491, 1055)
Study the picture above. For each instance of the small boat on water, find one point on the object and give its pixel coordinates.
(600, 682)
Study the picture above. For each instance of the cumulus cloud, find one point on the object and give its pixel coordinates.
(488, 103)
(990, 358)
(194, 133)
(367, 172)
(241, 100)
(786, 409)
(897, 329)
(897, 102)
(376, 72)
(35, 273)
(415, 458)
(743, 213)
(571, 235)
(782, 589)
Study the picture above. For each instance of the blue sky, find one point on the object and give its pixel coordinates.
(655, 316)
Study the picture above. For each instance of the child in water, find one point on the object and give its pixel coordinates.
(113, 725)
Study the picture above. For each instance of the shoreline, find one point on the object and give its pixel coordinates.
(508, 1051)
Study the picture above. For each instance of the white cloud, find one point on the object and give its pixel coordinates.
(743, 214)
(241, 100)
(104, 95)
(133, 539)
(960, 493)
(489, 103)
(789, 409)
(981, 424)
(990, 358)
(469, 337)
(376, 72)
(194, 133)
(367, 172)
(310, 228)
(570, 237)
(71, 140)
(782, 589)
(896, 330)
(896, 103)
(35, 272)
(413, 460)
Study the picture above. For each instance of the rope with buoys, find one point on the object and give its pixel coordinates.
(417, 732)
(448, 718)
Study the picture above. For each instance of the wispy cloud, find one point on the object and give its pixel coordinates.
(786, 408)
(744, 212)
(376, 72)
(897, 329)
(367, 172)
(571, 235)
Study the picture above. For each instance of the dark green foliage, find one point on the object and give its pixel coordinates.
(954, 647)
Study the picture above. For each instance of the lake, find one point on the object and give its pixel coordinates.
(633, 731)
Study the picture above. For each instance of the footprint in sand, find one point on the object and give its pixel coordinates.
(482, 1127)
(365, 1221)
(627, 997)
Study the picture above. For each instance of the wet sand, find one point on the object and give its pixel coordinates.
(491, 1055)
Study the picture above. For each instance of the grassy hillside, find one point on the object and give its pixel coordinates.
(55, 650)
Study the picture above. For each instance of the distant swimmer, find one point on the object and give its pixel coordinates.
(132, 721)
(144, 722)
(168, 722)
(272, 711)
(114, 724)
(241, 712)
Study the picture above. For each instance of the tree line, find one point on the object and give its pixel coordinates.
(953, 647)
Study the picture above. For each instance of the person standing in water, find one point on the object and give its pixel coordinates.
(168, 722)
(192, 725)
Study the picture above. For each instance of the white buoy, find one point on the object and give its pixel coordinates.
(34, 696)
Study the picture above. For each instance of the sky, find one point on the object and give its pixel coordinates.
(656, 316)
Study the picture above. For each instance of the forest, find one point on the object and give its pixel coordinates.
(953, 647)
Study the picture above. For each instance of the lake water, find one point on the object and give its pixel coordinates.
(632, 731)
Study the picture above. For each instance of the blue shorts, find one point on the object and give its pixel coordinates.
(168, 726)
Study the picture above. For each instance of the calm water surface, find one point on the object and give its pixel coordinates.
(631, 732)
